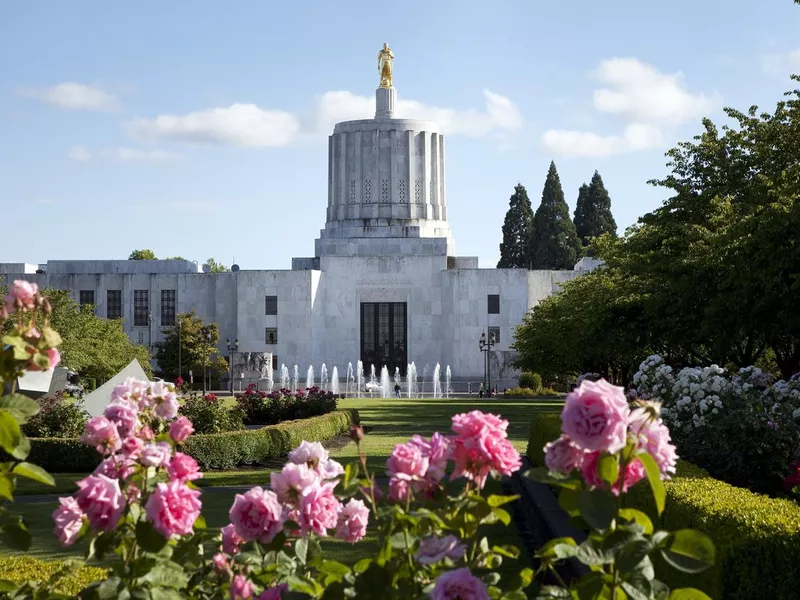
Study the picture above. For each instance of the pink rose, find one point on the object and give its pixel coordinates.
(241, 588)
(398, 490)
(318, 510)
(353, 519)
(173, 508)
(131, 447)
(54, 356)
(133, 493)
(180, 429)
(23, 294)
(459, 584)
(562, 455)
(165, 400)
(100, 498)
(116, 467)
(309, 453)
(407, 462)
(434, 549)
(257, 515)
(230, 540)
(155, 455)
(595, 416)
(183, 468)
(330, 469)
(125, 415)
(293, 482)
(634, 472)
(219, 562)
(437, 451)
(102, 434)
(274, 593)
(481, 446)
(146, 433)
(68, 518)
(653, 437)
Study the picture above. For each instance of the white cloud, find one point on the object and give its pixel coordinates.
(134, 155)
(79, 154)
(499, 113)
(648, 101)
(781, 63)
(238, 124)
(71, 95)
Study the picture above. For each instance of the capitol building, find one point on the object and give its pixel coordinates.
(384, 284)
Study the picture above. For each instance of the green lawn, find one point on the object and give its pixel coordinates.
(388, 422)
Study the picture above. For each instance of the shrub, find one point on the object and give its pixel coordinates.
(755, 536)
(212, 451)
(523, 392)
(212, 416)
(58, 417)
(20, 569)
(530, 380)
(262, 408)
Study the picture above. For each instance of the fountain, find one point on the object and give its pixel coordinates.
(447, 389)
(360, 378)
(386, 383)
(373, 381)
(335, 380)
(295, 379)
(284, 377)
(437, 382)
(270, 381)
(349, 376)
(411, 380)
(310, 378)
(323, 377)
(424, 377)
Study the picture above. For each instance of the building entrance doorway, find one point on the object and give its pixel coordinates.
(384, 336)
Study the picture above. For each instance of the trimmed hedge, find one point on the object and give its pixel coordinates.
(757, 537)
(211, 451)
(20, 569)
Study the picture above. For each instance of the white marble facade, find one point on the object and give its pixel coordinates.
(386, 239)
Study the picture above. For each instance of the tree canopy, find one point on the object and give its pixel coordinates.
(593, 215)
(216, 267)
(713, 275)
(189, 331)
(143, 254)
(554, 242)
(517, 231)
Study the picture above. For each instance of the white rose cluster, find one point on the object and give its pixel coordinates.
(696, 395)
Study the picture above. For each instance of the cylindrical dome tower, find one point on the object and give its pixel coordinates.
(386, 180)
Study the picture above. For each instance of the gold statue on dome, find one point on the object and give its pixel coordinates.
(385, 58)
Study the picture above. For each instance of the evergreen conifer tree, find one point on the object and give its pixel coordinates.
(593, 212)
(554, 243)
(516, 231)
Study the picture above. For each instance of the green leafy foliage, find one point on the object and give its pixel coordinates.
(215, 267)
(192, 334)
(212, 416)
(261, 408)
(58, 416)
(593, 216)
(143, 254)
(530, 380)
(554, 243)
(517, 229)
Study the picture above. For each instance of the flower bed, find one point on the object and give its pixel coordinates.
(211, 451)
(262, 408)
(757, 537)
(20, 569)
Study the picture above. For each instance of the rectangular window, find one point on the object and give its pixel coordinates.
(141, 308)
(141, 337)
(114, 304)
(383, 335)
(494, 304)
(86, 297)
(272, 335)
(271, 305)
(494, 331)
(274, 362)
(167, 308)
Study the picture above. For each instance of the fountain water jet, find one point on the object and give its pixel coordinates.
(437, 382)
(335, 381)
(411, 380)
(295, 379)
(424, 377)
(360, 377)
(323, 377)
(447, 389)
(284, 377)
(310, 378)
(349, 378)
(386, 383)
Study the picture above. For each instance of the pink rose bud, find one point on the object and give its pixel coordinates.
(241, 588)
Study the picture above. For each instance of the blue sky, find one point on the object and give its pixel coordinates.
(200, 128)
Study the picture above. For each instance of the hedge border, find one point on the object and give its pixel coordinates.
(212, 451)
(757, 537)
(20, 569)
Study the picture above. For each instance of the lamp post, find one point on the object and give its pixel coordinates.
(206, 336)
(180, 343)
(486, 347)
(232, 348)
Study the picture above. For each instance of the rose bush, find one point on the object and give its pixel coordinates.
(262, 408)
(605, 449)
(744, 428)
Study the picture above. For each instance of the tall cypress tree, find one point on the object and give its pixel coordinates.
(593, 213)
(516, 231)
(554, 243)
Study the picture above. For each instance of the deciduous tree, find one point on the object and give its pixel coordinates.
(143, 254)
(190, 331)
